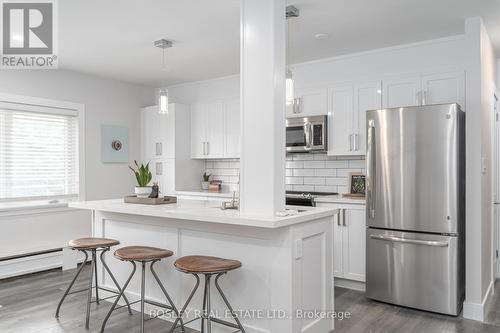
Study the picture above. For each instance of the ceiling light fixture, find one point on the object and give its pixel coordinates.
(163, 98)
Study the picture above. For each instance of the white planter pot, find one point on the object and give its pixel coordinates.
(204, 185)
(143, 192)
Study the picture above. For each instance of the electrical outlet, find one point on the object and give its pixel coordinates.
(298, 249)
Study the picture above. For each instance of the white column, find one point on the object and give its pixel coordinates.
(262, 180)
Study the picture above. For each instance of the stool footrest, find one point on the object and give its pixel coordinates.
(223, 322)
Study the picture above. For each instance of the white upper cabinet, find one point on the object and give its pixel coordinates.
(158, 133)
(367, 96)
(340, 120)
(215, 130)
(232, 128)
(444, 88)
(198, 130)
(347, 119)
(439, 88)
(312, 102)
(400, 92)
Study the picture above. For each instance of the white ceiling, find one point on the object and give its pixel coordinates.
(114, 39)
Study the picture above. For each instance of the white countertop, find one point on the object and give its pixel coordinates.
(340, 199)
(204, 211)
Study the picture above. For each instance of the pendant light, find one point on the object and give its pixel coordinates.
(163, 98)
(163, 101)
(291, 11)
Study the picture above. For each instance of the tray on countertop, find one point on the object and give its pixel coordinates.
(150, 201)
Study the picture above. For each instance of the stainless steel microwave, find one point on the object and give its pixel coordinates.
(306, 134)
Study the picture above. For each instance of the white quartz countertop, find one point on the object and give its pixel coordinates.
(340, 199)
(205, 211)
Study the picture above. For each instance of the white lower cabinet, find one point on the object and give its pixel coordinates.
(349, 241)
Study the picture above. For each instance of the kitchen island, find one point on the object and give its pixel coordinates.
(285, 284)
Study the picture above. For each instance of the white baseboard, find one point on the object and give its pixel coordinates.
(478, 311)
(38, 263)
(349, 284)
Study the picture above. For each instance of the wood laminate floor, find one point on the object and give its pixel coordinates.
(28, 306)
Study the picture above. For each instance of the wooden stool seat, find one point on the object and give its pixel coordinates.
(205, 264)
(142, 253)
(92, 243)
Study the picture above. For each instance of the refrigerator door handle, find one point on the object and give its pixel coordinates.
(409, 241)
(370, 169)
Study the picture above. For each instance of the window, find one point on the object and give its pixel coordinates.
(38, 152)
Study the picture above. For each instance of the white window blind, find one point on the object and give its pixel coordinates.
(38, 153)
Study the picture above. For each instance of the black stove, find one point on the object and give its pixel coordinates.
(298, 198)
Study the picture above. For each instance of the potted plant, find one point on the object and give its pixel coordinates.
(206, 181)
(143, 177)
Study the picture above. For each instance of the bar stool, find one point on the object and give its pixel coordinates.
(207, 266)
(143, 254)
(92, 245)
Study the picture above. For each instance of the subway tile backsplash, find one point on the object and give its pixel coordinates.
(321, 173)
(304, 172)
(226, 170)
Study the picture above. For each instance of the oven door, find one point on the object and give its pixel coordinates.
(298, 137)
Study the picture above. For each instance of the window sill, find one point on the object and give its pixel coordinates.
(33, 207)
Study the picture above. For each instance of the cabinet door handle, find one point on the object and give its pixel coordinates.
(424, 97)
(208, 148)
(158, 149)
(159, 168)
(338, 218)
(417, 102)
(203, 148)
(355, 142)
(350, 142)
(343, 218)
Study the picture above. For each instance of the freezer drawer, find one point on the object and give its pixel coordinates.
(413, 269)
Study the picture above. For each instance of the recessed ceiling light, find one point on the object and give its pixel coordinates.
(321, 36)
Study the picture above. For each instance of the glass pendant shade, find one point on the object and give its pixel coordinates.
(163, 101)
(289, 88)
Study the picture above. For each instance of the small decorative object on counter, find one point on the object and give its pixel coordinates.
(150, 201)
(206, 181)
(143, 177)
(155, 191)
(356, 186)
(215, 186)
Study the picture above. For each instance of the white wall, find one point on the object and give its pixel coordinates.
(480, 85)
(437, 54)
(106, 102)
(227, 87)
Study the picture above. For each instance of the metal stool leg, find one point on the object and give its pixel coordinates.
(118, 298)
(186, 304)
(143, 290)
(204, 307)
(227, 302)
(89, 294)
(113, 278)
(174, 308)
(207, 310)
(94, 259)
(72, 282)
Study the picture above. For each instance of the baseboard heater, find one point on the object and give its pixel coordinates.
(31, 254)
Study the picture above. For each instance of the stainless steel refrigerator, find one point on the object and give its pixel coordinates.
(415, 214)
